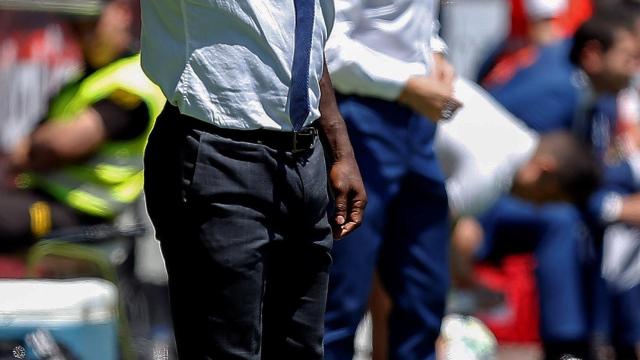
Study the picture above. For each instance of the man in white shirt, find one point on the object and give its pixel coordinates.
(393, 90)
(236, 178)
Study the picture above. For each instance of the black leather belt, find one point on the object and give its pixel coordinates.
(294, 142)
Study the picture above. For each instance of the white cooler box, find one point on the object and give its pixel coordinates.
(81, 314)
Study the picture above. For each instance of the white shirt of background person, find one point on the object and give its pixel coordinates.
(377, 45)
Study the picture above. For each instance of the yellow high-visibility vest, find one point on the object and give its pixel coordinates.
(113, 177)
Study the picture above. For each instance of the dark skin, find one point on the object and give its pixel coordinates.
(344, 175)
(59, 143)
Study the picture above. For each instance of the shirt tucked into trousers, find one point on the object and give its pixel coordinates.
(239, 205)
(246, 240)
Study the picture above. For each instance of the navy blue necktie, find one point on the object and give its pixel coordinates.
(299, 107)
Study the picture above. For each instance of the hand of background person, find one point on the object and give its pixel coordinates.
(443, 70)
(430, 96)
(630, 211)
(349, 194)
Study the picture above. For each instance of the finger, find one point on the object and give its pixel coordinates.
(451, 71)
(448, 75)
(355, 214)
(346, 229)
(442, 75)
(356, 210)
(340, 216)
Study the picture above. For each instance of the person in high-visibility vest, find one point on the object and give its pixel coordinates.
(83, 164)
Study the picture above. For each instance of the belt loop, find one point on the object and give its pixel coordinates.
(295, 149)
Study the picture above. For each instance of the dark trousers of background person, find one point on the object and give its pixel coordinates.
(625, 317)
(405, 235)
(560, 240)
(244, 232)
(618, 317)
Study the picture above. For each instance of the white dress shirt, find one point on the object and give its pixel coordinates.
(480, 149)
(377, 45)
(228, 62)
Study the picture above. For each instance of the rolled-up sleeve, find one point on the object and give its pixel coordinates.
(437, 43)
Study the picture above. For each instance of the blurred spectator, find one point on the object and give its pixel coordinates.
(552, 94)
(394, 84)
(534, 24)
(530, 18)
(485, 152)
(83, 164)
(38, 54)
(615, 209)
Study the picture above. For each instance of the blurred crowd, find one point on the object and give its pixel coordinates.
(569, 66)
(553, 257)
(76, 112)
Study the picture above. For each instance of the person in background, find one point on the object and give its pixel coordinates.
(394, 85)
(615, 213)
(538, 28)
(599, 63)
(83, 164)
(40, 54)
(236, 179)
(615, 210)
(606, 55)
(485, 152)
(561, 17)
(542, 71)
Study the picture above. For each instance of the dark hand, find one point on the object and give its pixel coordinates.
(350, 196)
(344, 176)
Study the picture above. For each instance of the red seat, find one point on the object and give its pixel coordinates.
(517, 321)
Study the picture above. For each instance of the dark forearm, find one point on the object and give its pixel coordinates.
(344, 177)
(331, 124)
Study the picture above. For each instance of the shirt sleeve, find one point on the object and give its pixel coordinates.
(358, 69)
(437, 43)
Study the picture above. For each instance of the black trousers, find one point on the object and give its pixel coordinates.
(244, 232)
